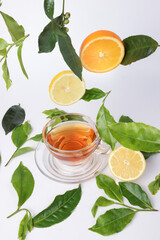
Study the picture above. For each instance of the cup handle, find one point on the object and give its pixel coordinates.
(103, 148)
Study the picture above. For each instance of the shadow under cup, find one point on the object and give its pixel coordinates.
(71, 131)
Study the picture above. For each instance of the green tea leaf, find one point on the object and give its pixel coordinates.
(104, 118)
(93, 94)
(101, 202)
(125, 119)
(53, 112)
(23, 182)
(21, 151)
(70, 56)
(3, 44)
(3, 53)
(138, 47)
(49, 8)
(59, 210)
(135, 195)
(113, 221)
(110, 187)
(19, 54)
(27, 128)
(37, 137)
(16, 31)
(136, 136)
(147, 155)
(23, 228)
(19, 136)
(6, 75)
(30, 224)
(14, 117)
(47, 39)
(155, 185)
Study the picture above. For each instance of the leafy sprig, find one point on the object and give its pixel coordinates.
(56, 32)
(60, 209)
(121, 216)
(18, 36)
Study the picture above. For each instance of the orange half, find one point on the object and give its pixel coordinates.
(102, 51)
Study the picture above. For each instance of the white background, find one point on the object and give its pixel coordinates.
(135, 92)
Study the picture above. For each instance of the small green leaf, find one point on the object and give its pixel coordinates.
(93, 94)
(113, 221)
(21, 151)
(104, 118)
(47, 39)
(14, 117)
(147, 155)
(23, 182)
(37, 137)
(155, 185)
(3, 53)
(3, 44)
(16, 31)
(138, 47)
(27, 128)
(30, 224)
(136, 136)
(70, 56)
(101, 202)
(49, 8)
(23, 228)
(19, 54)
(110, 187)
(53, 112)
(60, 209)
(6, 75)
(19, 136)
(135, 195)
(125, 119)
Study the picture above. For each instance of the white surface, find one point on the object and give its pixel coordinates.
(135, 92)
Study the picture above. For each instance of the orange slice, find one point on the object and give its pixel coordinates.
(101, 51)
(126, 164)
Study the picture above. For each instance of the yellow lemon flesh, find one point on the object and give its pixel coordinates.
(126, 164)
(66, 88)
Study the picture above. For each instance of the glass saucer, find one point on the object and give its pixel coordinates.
(56, 170)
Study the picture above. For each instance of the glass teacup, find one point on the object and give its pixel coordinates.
(74, 151)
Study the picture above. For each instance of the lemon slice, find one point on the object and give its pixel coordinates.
(126, 164)
(66, 88)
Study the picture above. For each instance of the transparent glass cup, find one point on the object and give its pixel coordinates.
(74, 165)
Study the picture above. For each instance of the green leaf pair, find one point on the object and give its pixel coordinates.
(60, 209)
(55, 32)
(17, 34)
(115, 220)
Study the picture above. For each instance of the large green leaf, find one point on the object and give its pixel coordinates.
(138, 47)
(59, 210)
(101, 202)
(113, 221)
(155, 185)
(136, 136)
(110, 187)
(69, 54)
(49, 8)
(135, 195)
(6, 75)
(93, 94)
(14, 117)
(19, 54)
(23, 182)
(104, 118)
(16, 31)
(47, 39)
(23, 228)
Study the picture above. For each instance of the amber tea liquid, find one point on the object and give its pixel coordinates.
(71, 136)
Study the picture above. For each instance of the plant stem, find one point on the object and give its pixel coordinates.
(136, 209)
(107, 93)
(11, 157)
(19, 210)
(20, 40)
(63, 7)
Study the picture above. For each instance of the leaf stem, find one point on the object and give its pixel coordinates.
(19, 210)
(20, 40)
(11, 157)
(136, 209)
(107, 93)
(63, 7)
